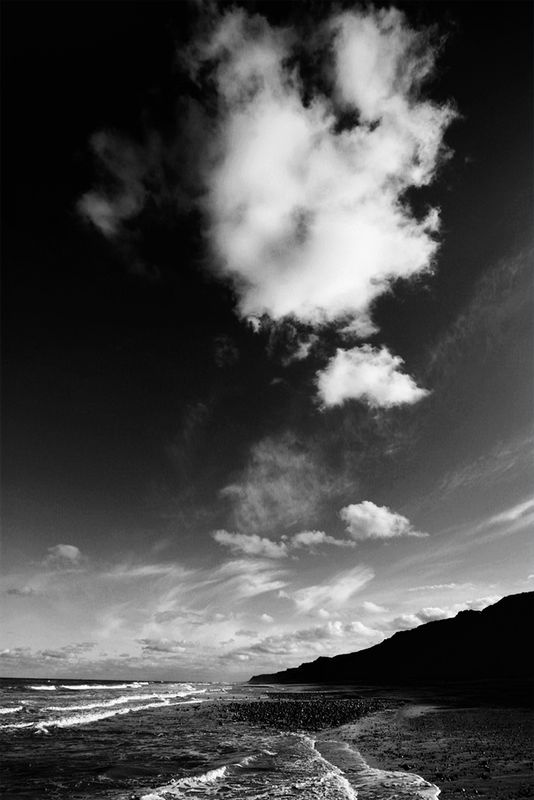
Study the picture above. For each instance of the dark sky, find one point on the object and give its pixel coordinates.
(141, 412)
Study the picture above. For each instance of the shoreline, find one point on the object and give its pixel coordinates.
(479, 753)
(459, 752)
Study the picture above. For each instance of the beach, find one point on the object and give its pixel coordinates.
(476, 752)
(157, 741)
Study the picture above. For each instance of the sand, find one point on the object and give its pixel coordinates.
(482, 753)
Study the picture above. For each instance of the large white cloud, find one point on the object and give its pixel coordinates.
(368, 521)
(303, 189)
(369, 374)
(306, 216)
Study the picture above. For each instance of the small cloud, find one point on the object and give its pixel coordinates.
(267, 618)
(368, 521)
(407, 621)
(164, 646)
(373, 608)
(439, 587)
(53, 654)
(250, 544)
(368, 374)
(21, 591)
(63, 555)
(312, 539)
(125, 164)
(480, 603)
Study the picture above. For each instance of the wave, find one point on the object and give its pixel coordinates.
(376, 783)
(71, 721)
(298, 770)
(45, 688)
(118, 701)
(10, 709)
(87, 687)
(192, 782)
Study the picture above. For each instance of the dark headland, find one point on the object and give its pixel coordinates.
(495, 644)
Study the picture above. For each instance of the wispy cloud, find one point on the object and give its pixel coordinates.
(254, 545)
(373, 608)
(20, 591)
(517, 512)
(433, 613)
(165, 646)
(330, 637)
(313, 539)
(251, 544)
(284, 484)
(333, 593)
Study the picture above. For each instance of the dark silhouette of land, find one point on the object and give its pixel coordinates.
(495, 644)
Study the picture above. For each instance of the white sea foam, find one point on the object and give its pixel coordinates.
(10, 709)
(129, 698)
(86, 687)
(333, 780)
(178, 787)
(13, 725)
(72, 720)
(45, 688)
(377, 783)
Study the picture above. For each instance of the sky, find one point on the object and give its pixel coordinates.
(267, 330)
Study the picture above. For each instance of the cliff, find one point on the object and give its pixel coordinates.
(494, 643)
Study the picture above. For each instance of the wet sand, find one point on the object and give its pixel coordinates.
(478, 753)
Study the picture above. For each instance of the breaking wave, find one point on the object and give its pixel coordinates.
(71, 720)
(175, 788)
(44, 688)
(90, 687)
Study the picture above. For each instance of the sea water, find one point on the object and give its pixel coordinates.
(156, 741)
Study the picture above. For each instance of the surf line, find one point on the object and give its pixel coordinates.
(402, 785)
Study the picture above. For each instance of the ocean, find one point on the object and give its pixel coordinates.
(153, 741)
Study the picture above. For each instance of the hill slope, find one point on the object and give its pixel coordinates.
(494, 643)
